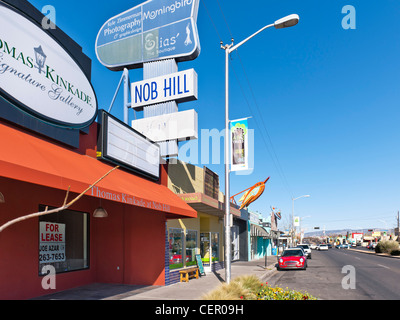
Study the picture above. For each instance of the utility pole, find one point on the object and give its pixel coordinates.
(398, 224)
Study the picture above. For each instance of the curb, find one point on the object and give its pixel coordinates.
(376, 254)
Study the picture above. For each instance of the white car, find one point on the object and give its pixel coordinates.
(306, 249)
(323, 247)
(313, 246)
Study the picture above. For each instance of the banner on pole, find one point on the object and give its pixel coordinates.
(239, 145)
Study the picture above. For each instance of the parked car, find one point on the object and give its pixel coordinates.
(323, 246)
(306, 249)
(372, 245)
(292, 258)
(343, 246)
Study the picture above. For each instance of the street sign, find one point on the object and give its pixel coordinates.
(154, 30)
(179, 86)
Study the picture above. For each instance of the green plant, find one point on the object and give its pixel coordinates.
(249, 287)
(386, 246)
(277, 293)
(395, 252)
(232, 291)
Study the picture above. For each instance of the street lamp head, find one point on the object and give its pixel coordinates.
(286, 22)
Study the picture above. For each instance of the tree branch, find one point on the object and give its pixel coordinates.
(63, 207)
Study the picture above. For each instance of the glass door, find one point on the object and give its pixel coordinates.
(215, 247)
(205, 250)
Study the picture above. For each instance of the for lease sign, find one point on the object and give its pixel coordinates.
(51, 242)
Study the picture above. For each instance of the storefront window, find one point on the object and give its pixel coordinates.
(191, 245)
(175, 248)
(64, 241)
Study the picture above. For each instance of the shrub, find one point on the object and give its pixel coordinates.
(386, 246)
(395, 252)
(250, 288)
(277, 293)
(232, 291)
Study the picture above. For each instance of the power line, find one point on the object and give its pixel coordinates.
(280, 171)
(212, 21)
(273, 154)
(226, 22)
(279, 167)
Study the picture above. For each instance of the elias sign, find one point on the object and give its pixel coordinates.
(180, 86)
(39, 76)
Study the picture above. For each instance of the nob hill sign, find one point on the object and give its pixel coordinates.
(39, 76)
(153, 30)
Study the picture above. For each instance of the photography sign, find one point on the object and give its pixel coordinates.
(39, 76)
(153, 30)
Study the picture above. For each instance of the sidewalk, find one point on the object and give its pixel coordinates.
(192, 290)
(196, 288)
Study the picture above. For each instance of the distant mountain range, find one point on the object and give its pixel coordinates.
(320, 232)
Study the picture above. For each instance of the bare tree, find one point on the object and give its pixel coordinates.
(63, 207)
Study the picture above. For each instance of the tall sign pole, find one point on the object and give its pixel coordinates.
(227, 201)
(285, 22)
(155, 35)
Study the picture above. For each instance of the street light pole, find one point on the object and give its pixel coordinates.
(293, 199)
(285, 22)
(227, 195)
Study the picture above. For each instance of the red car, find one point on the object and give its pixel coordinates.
(292, 258)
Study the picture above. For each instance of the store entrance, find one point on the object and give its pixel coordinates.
(209, 249)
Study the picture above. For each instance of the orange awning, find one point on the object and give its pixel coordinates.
(27, 158)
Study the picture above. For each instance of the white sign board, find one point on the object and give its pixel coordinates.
(172, 126)
(127, 147)
(51, 242)
(38, 75)
(239, 138)
(179, 86)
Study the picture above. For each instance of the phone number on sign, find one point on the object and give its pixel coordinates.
(51, 257)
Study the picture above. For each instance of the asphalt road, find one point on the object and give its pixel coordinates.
(364, 276)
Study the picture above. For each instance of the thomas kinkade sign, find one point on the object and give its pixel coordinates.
(39, 76)
(153, 30)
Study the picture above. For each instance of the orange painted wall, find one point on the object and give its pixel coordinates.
(130, 238)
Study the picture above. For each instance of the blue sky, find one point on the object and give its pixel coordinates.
(324, 100)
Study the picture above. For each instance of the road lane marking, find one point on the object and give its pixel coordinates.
(357, 258)
(381, 265)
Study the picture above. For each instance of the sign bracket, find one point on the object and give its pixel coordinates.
(127, 104)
